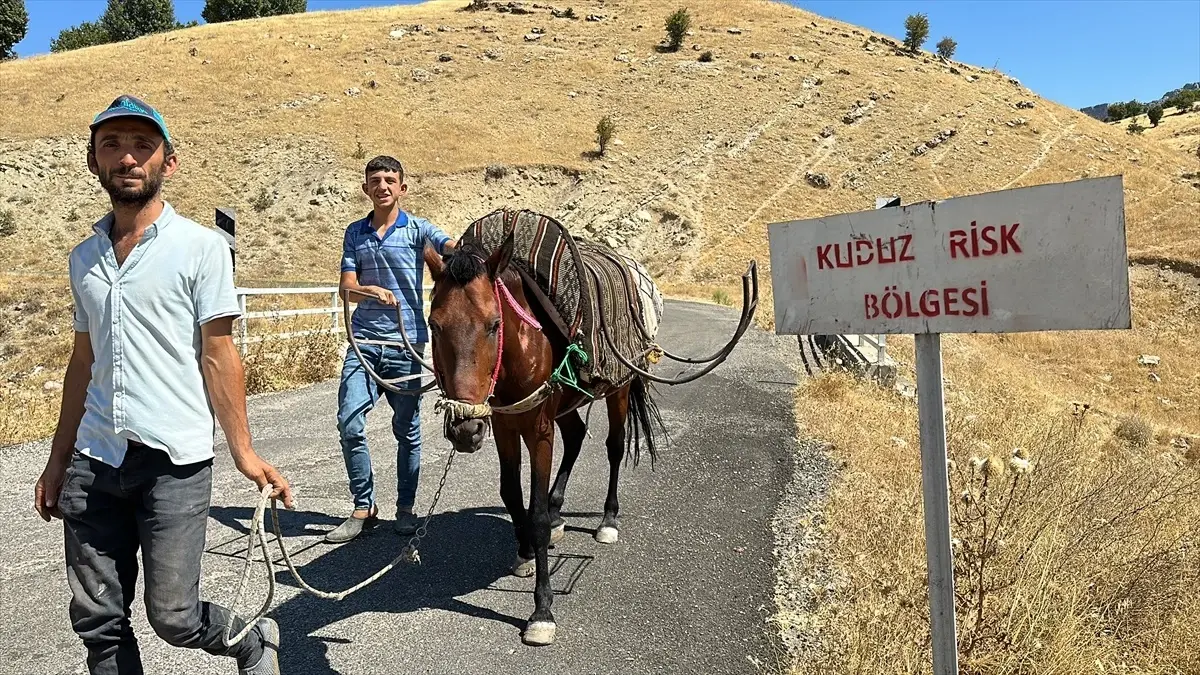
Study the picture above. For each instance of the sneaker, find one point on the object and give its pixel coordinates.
(406, 523)
(352, 527)
(269, 663)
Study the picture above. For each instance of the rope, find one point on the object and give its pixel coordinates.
(565, 373)
(409, 553)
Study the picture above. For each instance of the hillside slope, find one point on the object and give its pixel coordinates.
(272, 111)
(796, 116)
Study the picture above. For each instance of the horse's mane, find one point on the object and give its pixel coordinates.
(467, 263)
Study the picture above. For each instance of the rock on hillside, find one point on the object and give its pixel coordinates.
(277, 116)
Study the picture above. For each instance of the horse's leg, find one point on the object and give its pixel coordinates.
(508, 447)
(540, 438)
(618, 411)
(573, 431)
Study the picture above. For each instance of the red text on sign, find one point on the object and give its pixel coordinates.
(860, 252)
(935, 302)
(984, 241)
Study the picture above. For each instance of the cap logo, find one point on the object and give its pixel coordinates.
(128, 104)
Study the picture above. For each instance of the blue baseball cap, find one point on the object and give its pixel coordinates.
(131, 106)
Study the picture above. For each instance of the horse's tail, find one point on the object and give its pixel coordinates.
(643, 416)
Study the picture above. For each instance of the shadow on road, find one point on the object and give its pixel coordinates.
(465, 551)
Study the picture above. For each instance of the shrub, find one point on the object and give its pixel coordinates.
(678, 25)
(1155, 113)
(1135, 127)
(916, 28)
(8, 223)
(129, 19)
(706, 57)
(946, 48)
(604, 132)
(1135, 431)
(263, 201)
(86, 34)
(14, 22)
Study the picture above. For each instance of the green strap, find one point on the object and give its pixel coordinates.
(565, 372)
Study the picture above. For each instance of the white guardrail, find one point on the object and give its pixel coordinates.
(876, 342)
(334, 310)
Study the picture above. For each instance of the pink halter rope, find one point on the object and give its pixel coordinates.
(502, 294)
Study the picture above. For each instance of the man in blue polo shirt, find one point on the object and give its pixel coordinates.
(382, 257)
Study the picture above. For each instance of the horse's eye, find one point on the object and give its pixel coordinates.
(494, 328)
(434, 328)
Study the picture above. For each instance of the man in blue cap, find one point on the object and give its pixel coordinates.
(131, 460)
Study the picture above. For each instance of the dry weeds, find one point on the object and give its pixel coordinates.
(1074, 552)
(35, 343)
(1087, 561)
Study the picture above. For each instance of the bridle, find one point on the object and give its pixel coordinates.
(457, 411)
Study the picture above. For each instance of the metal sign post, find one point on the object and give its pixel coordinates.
(1047, 257)
(226, 226)
(935, 488)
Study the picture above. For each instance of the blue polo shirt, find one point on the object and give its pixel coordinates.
(396, 262)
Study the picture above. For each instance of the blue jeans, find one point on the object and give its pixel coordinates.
(357, 395)
(151, 504)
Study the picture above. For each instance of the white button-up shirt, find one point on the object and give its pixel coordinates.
(143, 319)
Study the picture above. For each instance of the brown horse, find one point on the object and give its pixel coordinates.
(488, 347)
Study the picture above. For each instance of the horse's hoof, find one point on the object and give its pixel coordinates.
(557, 533)
(606, 535)
(539, 633)
(523, 567)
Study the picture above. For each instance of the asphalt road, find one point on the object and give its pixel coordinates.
(689, 588)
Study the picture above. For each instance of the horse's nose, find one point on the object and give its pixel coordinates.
(467, 435)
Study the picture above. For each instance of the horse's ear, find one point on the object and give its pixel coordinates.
(498, 261)
(434, 262)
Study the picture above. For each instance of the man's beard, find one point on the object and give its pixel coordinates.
(132, 196)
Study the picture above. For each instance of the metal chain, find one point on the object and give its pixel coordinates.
(413, 555)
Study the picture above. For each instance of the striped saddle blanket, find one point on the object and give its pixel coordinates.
(583, 281)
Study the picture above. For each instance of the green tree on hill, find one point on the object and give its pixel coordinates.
(1155, 114)
(1120, 111)
(946, 48)
(14, 22)
(1184, 100)
(279, 7)
(86, 34)
(604, 132)
(129, 19)
(217, 11)
(916, 28)
(678, 25)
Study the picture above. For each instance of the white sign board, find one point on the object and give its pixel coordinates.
(1047, 257)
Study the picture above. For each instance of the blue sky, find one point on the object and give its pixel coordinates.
(1075, 52)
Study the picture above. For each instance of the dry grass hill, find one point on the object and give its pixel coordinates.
(795, 116)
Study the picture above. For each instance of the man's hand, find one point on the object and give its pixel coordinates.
(261, 472)
(45, 493)
(75, 385)
(382, 294)
(224, 377)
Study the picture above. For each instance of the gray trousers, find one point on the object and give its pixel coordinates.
(108, 513)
